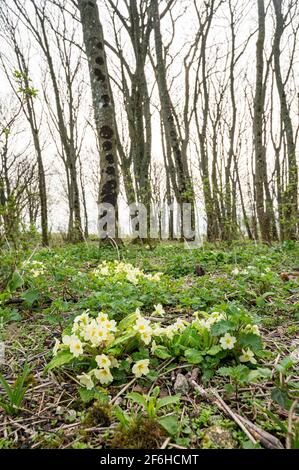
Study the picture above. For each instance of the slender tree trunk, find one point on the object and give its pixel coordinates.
(258, 125)
(102, 101)
(290, 209)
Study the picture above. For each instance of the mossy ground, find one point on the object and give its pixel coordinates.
(52, 415)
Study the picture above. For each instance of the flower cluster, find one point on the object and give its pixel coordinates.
(251, 270)
(101, 342)
(34, 268)
(211, 319)
(92, 337)
(120, 270)
(229, 341)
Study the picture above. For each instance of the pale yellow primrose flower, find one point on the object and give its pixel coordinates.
(66, 339)
(76, 347)
(141, 368)
(114, 362)
(252, 329)
(103, 361)
(110, 325)
(154, 347)
(247, 356)
(102, 317)
(83, 318)
(56, 346)
(103, 375)
(95, 333)
(86, 381)
(142, 326)
(146, 337)
(228, 341)
(159, 310)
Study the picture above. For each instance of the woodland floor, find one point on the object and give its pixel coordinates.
(53, 414)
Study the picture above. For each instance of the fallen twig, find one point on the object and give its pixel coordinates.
(253, 432)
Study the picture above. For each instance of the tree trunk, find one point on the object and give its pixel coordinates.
(102, 101)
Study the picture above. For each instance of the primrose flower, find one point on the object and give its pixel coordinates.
(102, 317)
(154, 347)
(110, 325)
(252, 329)
(158, 330)
(95, 333)
(86, 381)
(159, 310)
(247, 356)
(228, 341)
(170, 331)
(114, 362)
(103, 375)
(56, 346)
(146, 337)
(179, 325)
(155, 277)
(103, 361)
(131, 277)
(75, 346)
(141, 368)
(66, 339)
(142, 325)
(83, 318)
(216, 316)
(104, 271)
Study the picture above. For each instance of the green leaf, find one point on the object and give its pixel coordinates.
(170, 424)
(214, 350)
(259, 374)
(16, 282)
(193, 356)
(137, 398)
(285, 365)
(7, 388)
(122, 339)
(31, 296)
(280, 396)
(251, 341)
(162, 352)
(121, 416)
(165, 401)
(86, 395)
(63, 357)
(129, 320)
(220, 328)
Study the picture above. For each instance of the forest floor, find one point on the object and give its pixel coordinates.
(193, 396)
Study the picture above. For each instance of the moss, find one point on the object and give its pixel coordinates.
(142, 433)
(98, 415)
